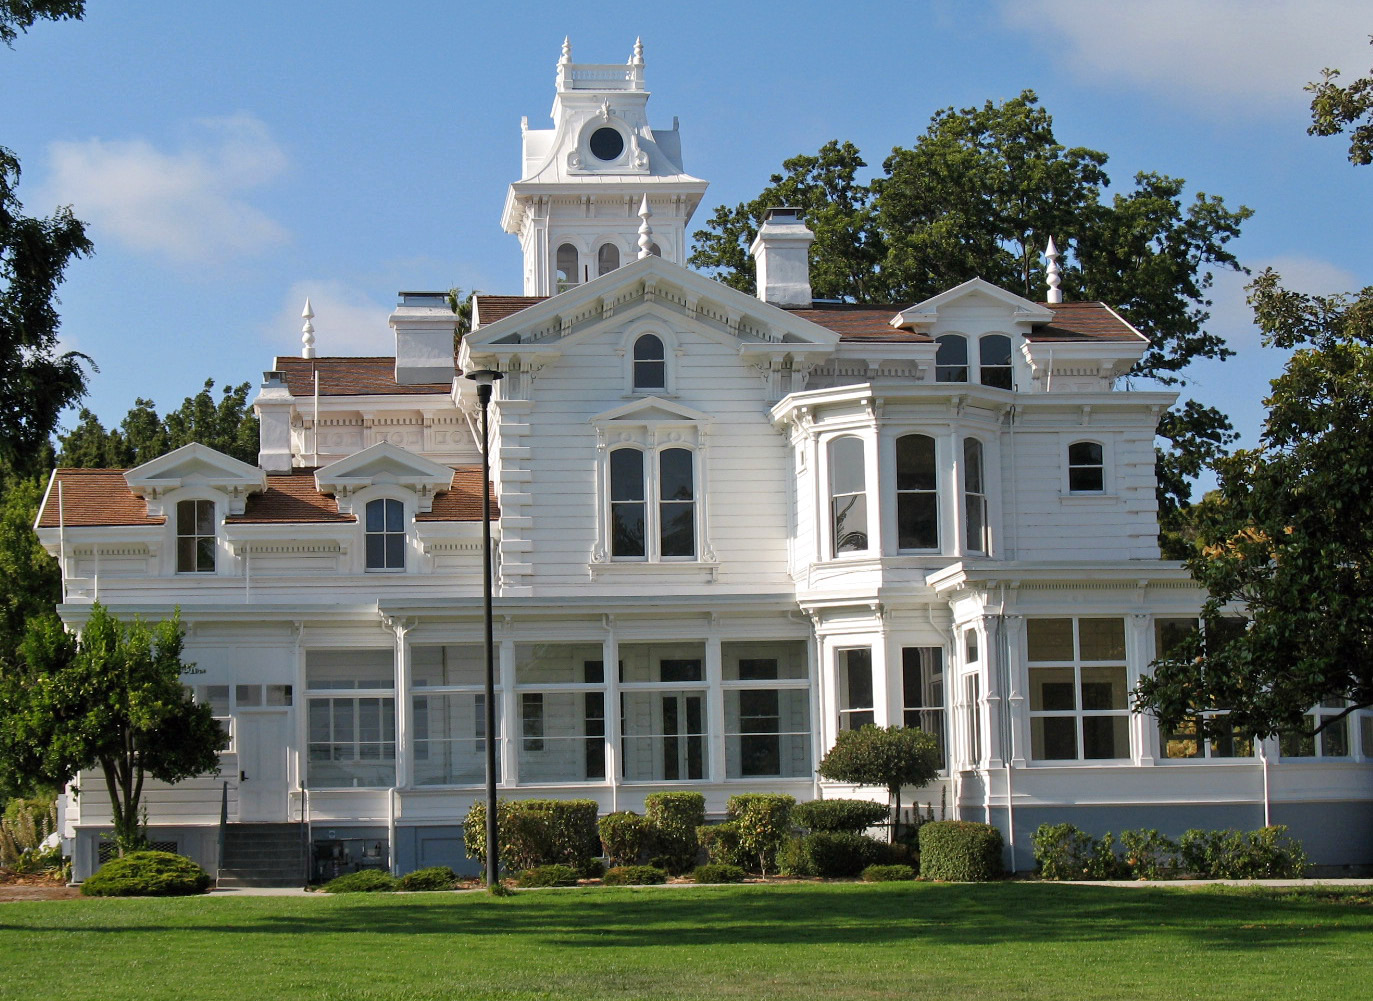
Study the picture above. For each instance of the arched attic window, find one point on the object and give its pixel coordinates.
(994, 361)
(650, 364)
(951, 358)
(607, 258)
(568, 266)
(385, 534)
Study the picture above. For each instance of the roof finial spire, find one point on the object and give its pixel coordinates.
(645, 230)
(638, 58)
(1053, 273)
(567, 50)
(307, 332)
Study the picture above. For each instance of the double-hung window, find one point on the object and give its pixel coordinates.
(951, 358)
(922, 689)
(385, 534)
(195, 536)
(994, 361)
(1331, 742)
(650, 364)
(1086, 468)
(856, 708)
(1079, 708)
(652, 504)
(976, 533)
(848, 496)
(917, 494)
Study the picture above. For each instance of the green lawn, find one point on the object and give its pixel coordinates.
(952, 942)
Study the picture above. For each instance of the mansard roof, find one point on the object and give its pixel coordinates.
(367, 376)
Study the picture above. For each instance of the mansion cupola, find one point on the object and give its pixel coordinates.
(577, 206)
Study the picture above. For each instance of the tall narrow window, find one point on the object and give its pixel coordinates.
(650, 370)
(676, 504)
(607, 258)
(848, 496)
(531, 720)
(195, 536)
(974, 497)
(568, 270)
(951, 358)
(385, 535)
(994, 361)
(917, 502)
(922, 689)
(972, 698)
(855, 689)
(1086, 471)
(627, 504)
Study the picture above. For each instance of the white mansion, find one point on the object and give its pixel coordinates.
(729, 527)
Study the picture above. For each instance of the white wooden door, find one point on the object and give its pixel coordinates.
(261, 742)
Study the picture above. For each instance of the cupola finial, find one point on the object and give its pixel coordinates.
(567, 50)
(638, 58)
(307, 332)
(1053, 273)
(645, 230)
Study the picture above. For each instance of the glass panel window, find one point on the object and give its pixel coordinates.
(627, 504)
(650, 368)
(855, 689)
(994, 357)
(917, 498)
(676, 504)
(607, 258)
(1330, 742)
(1086, 468)
(951, 358)
(972, 706)
(974, 497)
(767, 709)
(848, 495)
(1079, 695)
(450, 737)
(351, 718)
(385, 535)
(569, 271)
(195, 536)
(922, 689)
(563, 726)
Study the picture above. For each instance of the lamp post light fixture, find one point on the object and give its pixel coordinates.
(485, 380)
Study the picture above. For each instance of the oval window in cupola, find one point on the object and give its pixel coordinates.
(607, 144)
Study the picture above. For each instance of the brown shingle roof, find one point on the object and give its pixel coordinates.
(349, 377)
(1084, 321)
(93, 497)
(289, 497)
(491, 308)
(464, 501)
(854, 322)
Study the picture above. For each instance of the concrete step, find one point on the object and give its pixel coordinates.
(229, 878)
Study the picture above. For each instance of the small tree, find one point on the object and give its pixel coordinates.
(111, 700)
(891, 757)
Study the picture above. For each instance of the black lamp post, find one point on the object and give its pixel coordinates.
(485, 379)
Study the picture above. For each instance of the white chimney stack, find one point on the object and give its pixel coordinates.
(782, 252)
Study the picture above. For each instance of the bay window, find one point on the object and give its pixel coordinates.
(917, 493)
(974, 498)
(848, 495)
(856, 708)
(922, 690)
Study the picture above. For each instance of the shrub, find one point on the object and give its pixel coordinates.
(535, 832)
(634, 875)
(147, 874)
(960, 851)
(592, 868)
(674, 817)
(625, 836)
(887, 873)
(830, 854)
(25, 826)
(1062, 851)
(365, 881)
(890, 757)
(721, 842)
(439, 877)
(1104, 863)
(1268, 853)
(762, 821)
(845, 816)
(1274, 854)
(1148, 854)
(716, 873)
(548, 875)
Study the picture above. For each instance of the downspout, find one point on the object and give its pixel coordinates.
(1007, 724)
(391, 827)
(1263, 758)
(950, 685)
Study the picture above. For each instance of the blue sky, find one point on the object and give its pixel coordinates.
(233, 158)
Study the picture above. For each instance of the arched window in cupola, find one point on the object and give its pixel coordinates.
(607, 258)
(568, 267)
(650, 367)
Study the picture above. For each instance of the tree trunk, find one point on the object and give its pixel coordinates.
(896, 815)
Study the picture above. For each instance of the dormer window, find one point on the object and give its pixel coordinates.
(607, 258)
(951, 358)
(195, 536)
(569, 272)
(994, 357)
(1086, 468)
(650, 367)
(385, 534)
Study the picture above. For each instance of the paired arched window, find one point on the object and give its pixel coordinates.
(951, 358)
(994, 361)
(974, 498)
(652, 503)
(650, 365)
(1086, 467)
(917, 493)
(607, 258)
(195, 536)
(385, 534)
(848, 495)
(569, 269)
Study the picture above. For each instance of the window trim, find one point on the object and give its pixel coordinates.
(1068, 467)
(653, 504)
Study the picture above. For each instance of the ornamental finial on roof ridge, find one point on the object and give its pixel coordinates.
(1053, 273)
(645, 230)
(307, 332)
(638, 58)
(567, 50)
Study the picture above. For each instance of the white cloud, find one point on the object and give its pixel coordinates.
(1231, 316)
(347, 322)
(186, 205)
(1241, 55)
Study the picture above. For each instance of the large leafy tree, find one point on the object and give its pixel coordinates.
(890, 757)
(227, 425)
(111, 701)
(20, 15)
(1338, 110)
(980, 193)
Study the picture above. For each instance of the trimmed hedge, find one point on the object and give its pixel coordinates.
(959, 851)
(634, 875)
(548, 875)
(674, 817)
(147, 874)
(721, 842)
(625, 837)
(844, 816)
(1064, 852)
(715, 873)
(887, 873)
(364, 881)
(535, 832)
(830, 854)
(763, 822)
(438, 877)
